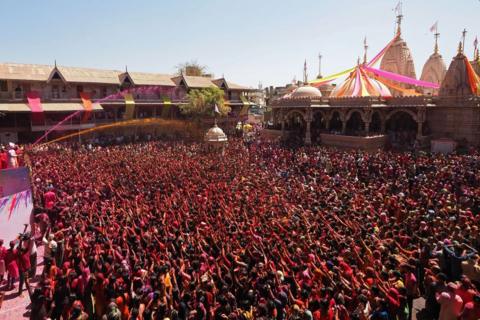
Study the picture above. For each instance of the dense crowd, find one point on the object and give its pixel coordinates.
(167, 231)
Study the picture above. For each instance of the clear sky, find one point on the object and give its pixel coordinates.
(249, 41)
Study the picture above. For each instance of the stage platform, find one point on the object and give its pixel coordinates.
(370, 143)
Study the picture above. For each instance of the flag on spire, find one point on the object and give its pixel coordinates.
(216, 110)
(398, 8)
(434, 28)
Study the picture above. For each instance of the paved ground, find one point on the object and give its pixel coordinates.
(18, 307)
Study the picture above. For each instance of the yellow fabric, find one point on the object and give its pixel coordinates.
(129, 106)
(166, 100)
(331, 77)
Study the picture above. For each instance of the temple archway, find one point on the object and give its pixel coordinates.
(401, 127)
(295, 124)
(355, 125)
(319, 125)
(336, 123)
(376, 123)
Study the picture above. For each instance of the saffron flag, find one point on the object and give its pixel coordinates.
(16, 203)
(87, 105)
(129, 106)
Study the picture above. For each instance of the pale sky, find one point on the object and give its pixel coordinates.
(248, 41)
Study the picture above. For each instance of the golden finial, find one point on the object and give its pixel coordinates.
(460, 48)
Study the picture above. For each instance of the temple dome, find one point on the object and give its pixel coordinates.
(398, 59)
(215, 134)
(434, 71)
(456, 82)
(306, 92)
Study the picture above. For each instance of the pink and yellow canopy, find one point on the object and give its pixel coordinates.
(360, 84)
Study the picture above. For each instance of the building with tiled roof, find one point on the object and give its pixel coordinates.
(33, 98)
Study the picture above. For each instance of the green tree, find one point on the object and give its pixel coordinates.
(201, 102)
(191, 68)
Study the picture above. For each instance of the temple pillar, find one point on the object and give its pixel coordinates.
(308, 135)
(419, 129)
(344, 126)
(367, 128)
(283, 128)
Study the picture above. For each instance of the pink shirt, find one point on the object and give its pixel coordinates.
(451, 306)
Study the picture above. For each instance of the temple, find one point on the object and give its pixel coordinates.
(374, 108)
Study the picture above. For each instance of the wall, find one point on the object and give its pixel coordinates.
(456, 123)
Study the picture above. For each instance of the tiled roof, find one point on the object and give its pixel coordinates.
(32, 72)
(149, 79)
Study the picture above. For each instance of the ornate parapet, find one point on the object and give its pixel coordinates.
(298, 102)
(405, 101)
(355, 101)
(458, 101)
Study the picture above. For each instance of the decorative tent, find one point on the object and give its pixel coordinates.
(360, 84)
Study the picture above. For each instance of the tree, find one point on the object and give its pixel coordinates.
(192, 68)
(201, 102)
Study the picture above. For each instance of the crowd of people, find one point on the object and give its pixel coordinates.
(165, 230)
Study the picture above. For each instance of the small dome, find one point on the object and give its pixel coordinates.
(215, 134)
(306, 92)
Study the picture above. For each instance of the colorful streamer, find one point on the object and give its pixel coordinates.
(332, 77)
(401, 78)
(382, 52)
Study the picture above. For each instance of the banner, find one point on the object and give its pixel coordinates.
(35, 105)
(16, 204)
(473, 79)
(87, 105)
(129, 106)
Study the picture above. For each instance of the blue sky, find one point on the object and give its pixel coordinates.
(249, 41)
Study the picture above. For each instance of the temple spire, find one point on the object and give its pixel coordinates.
(305, 76)
(319, 66)
(464, 33)
(365, 48)
(476, 55)
(398, 11)
(460, 48)
(436, 35)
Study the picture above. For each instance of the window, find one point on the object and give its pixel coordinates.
(104, 92)
(3, 86)
(79, 90)
(18, 92)
(55, 92)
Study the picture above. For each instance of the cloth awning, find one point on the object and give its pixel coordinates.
(62, 107)
(14, 107)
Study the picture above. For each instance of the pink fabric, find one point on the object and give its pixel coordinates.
(356, 89)
(382, 52)
(34, 101)
(402, 79)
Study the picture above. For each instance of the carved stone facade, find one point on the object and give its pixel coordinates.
(434, 71)
(398, 59)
